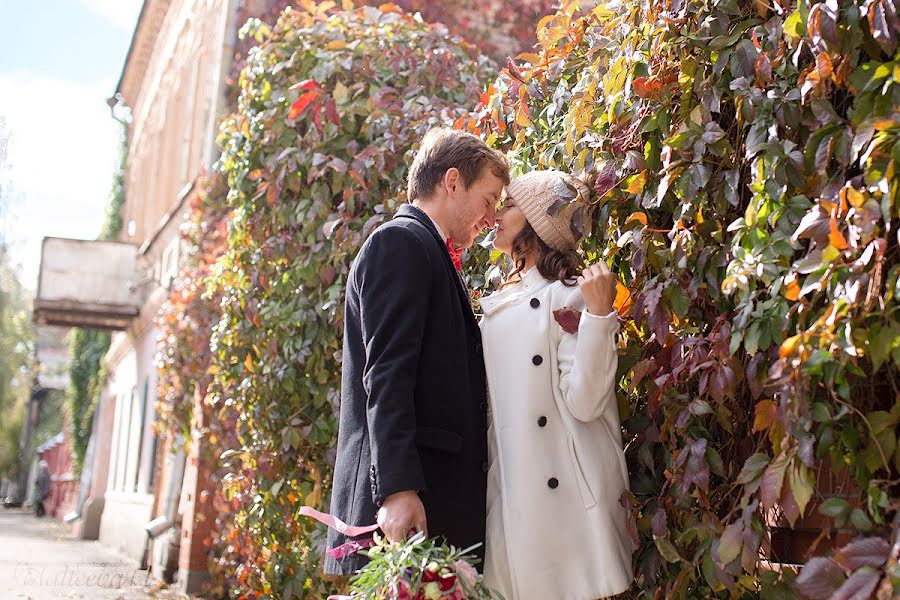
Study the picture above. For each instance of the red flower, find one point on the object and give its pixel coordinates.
(455, 254)
(447, 581)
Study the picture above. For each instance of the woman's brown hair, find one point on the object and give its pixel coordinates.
(564, 266)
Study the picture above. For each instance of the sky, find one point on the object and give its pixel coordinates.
(59, 62)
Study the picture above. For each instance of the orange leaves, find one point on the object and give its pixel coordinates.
(765, 415)
(792, 288)
(522, 118)
(640, 217)
(623, 302)
(835, 237)
(823, 68)
(636, 185)
(648, 87)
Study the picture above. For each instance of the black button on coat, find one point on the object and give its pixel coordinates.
(412, 389)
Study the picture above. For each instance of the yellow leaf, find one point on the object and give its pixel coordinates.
(545, 21)
(637, 182)
(855, 197)
(522, 119)
(530, 57)
(347, 4)
(340, 93)
(335, 45)
(248, 363)
(700, 216)
(637, 216)
(830, 254)
(789, 346)
(802, 480)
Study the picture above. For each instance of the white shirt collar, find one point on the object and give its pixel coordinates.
(438, 227)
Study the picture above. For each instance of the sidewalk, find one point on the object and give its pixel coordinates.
(41, 560)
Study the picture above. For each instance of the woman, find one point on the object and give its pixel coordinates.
(555, 527)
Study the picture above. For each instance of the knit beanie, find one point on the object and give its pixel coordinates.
(536, 192)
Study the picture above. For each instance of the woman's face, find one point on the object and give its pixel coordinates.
(510, 221)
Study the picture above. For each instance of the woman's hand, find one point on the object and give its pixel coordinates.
(598, 287)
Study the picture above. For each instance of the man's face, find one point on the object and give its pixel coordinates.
(474, 208)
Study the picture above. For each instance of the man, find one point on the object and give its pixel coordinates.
(412, 447)
(41, 488)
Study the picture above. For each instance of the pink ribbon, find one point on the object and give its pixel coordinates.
(351, 547)
(336, 524)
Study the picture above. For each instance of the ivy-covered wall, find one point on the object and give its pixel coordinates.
(747, 201)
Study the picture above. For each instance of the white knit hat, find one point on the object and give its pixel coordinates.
(536, 192)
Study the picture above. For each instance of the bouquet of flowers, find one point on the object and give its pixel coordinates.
(418, 569)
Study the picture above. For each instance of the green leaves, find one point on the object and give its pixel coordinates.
(332, 106)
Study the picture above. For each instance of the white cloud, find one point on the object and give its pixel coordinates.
(121, 13)
(62, 153)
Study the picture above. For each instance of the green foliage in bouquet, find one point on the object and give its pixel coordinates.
(315, 157)
(748, 199)
(418, 569)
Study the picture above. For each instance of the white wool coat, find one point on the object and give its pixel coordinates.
(555, 527)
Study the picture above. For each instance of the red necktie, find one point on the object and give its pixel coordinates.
(455, 254)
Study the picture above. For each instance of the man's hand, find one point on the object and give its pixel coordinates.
(598, 287)
(400, 514)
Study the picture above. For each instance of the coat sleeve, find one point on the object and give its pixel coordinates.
(587, 362)
(393, 281)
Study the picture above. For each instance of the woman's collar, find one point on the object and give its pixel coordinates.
(530, 282)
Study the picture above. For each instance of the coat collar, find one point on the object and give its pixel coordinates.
(409, 211)
(531, 283)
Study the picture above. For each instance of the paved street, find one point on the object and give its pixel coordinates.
(40, 560)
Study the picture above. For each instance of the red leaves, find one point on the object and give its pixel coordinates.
(696, 471)
(883, 23)
(312, 92)
(313, 99)
(328, 275)
(648, 88)
(568, 319)
(331, 111)
(825, 577)
(866, 552)
(303, 103)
